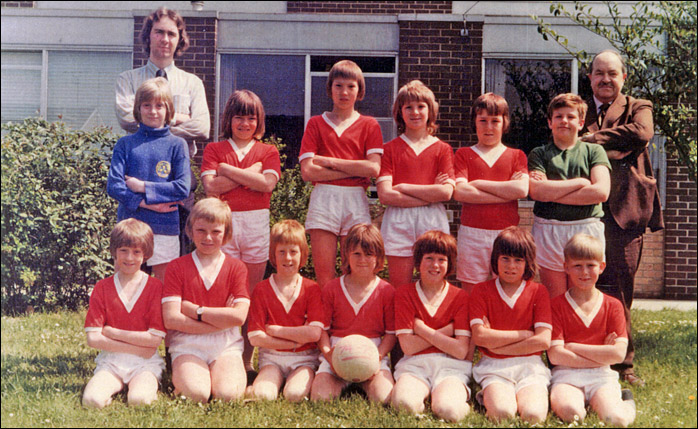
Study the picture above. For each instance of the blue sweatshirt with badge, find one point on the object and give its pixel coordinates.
(161, 160)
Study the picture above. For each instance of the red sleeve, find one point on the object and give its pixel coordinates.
(460, 166)
(271, 160)
(616, 319)
(311, 138)
(374, 139)
(257, 318)
(237, 281)
(210, 159)
(461, 322)
(155, 315)
(387, 161)
(96, 312)
(173, 280)
(521, 162)
(315, 310)
(477, 308)
(446, 161)
(542, 315)
(404, 311)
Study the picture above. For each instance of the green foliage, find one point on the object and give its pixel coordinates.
(46, 365)
(659, 42)
(56, 214)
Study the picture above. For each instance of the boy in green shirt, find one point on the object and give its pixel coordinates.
(569, 179)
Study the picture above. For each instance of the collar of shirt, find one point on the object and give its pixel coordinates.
(152, 68)
(599, 103)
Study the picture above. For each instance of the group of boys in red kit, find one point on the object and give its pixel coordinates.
(295, 322)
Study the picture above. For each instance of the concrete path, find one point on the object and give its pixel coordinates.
(660, 304)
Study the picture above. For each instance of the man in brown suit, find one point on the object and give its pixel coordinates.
(624, 126)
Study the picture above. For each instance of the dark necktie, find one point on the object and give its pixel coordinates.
(602, 113)
(161, 73)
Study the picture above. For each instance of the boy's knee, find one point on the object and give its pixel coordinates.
(294, 394)
(450, 412)
(533, 416)
(228, 393)
(618, 418)
(501, 411)
(568, 412)
(406, 402)
(265, 392)
(141, 398)
(92, 401)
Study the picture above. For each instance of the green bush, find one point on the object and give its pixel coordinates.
(56, 214)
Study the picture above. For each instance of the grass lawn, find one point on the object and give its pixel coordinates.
(46, 364)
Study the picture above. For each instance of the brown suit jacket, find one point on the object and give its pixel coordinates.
(628, 127)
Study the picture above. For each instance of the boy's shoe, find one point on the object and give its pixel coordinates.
(627, 395)
(633, 379)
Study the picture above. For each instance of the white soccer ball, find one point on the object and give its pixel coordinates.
(355, 358)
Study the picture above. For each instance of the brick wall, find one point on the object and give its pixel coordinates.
(680, 234)
(199, 59)
(369, 7)
(450, 64)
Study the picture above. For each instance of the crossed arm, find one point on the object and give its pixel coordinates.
(140, 343)
(460, 346)
(181, 316)
(513, 343)
(323, 168)
(492, 192)
(577, 192)
(229, 177)
(286, 337)
(577, 355)
(413, 195)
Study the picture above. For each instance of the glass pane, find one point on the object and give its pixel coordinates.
(279, 82)
(366, 64)
(21, 85)
(377, 102)
(81, 87)
(528, 86)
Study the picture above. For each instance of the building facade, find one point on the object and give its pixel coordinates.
(60, 61)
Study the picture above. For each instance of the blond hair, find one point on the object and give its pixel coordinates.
(288, 231)
(153, 90)
(416, 91)
(584, 246)
(214, 211)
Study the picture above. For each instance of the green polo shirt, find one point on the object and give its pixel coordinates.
(571, 163)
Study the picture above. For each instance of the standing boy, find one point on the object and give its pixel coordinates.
(569, 179)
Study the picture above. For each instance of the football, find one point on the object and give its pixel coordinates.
(355, 358)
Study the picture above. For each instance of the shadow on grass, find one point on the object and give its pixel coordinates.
(38, 374)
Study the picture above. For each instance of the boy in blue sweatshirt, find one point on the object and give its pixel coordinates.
(150, 172)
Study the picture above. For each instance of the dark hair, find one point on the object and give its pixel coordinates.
(494, 105)
(436, 242)
(182, 43)
(369, 239)
(243, 102)
(516, 242)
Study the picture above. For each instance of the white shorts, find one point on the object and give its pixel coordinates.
(433, 368)
(337, 208)
(207, 347)
(552, 235)
(475, 253)
(589, 380)
(250, 241)
(288, 362)
(402, 226)
(517, 372)
(326, 367)
(126, 366)
(165, 249)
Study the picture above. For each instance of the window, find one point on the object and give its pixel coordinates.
(528, 85)
(291, 95)
(75, 87)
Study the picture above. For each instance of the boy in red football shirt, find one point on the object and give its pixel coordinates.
(589, 335)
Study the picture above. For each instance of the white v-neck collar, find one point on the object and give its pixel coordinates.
(418, 149)
(241, 153)
(345, 126)
(484, 156)
(510, 301)
(287, 303)
(208, 283)
(440, 296)
(356, 306)
(134, 298)
(585, 318)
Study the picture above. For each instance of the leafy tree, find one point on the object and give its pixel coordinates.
(658, 40)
